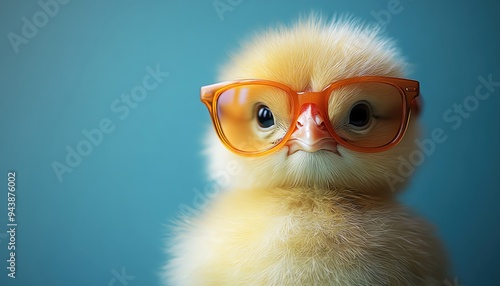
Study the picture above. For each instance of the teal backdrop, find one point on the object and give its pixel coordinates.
(99, 173)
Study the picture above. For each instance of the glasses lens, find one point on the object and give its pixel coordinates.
(366, 114)
(254, 118)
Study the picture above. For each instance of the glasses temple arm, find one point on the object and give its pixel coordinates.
(416, 105)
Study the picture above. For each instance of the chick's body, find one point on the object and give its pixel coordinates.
(309, 218)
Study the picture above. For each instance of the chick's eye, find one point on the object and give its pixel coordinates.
(265, 117)
(359, 116)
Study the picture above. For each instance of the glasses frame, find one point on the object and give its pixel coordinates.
(409, 90)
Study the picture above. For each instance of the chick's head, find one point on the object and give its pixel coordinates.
(307, 57)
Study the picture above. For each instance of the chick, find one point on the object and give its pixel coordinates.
(311, 204)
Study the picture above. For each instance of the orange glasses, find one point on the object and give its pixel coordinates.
(365, 114)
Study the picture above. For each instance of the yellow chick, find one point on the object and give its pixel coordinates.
(315, 117)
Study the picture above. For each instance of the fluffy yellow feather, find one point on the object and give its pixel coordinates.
(311, 218)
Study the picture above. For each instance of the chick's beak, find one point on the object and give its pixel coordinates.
(310, 134)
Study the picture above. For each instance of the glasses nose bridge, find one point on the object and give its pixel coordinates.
(315, 97)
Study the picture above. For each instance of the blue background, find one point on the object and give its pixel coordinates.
(109, 212)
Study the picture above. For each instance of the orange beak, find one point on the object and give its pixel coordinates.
(310, 133)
